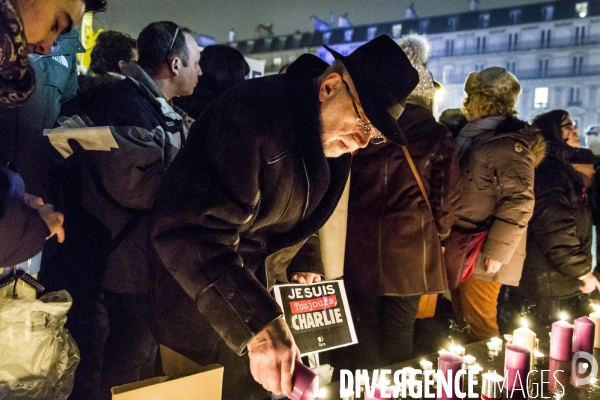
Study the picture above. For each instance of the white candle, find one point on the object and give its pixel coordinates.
(493, 346)
(458, 350)
(498, 341)
(469, 360)
(524, 336)
(508, 338)
(425, 365)
(595, 317)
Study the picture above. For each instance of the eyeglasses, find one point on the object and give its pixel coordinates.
(173, 41)
(363, 126)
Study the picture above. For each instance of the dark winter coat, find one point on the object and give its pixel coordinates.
(393, 239)
(497, 173)
(117, 188)
(251, 181)
(559, 239)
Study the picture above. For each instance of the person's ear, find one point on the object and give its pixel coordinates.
(332, 82)
(121, 64)
(175, 65)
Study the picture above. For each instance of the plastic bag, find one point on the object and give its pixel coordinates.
(38, 356)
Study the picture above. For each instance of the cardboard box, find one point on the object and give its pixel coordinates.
(184, 380)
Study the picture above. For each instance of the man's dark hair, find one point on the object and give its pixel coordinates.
(154, 42)
(95, 5)
(222, 67)
(111, 47)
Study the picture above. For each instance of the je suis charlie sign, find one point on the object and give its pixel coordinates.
(318, 315)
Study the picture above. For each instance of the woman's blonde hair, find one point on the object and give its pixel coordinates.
(484, 105)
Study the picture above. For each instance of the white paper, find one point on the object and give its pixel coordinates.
(98, 138)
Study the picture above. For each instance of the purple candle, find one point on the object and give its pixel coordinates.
(561, 341)
(516, 366)
(305, 383)
(448, 364)
(583, 335)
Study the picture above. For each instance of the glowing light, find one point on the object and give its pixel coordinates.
(524, 323)
(322, 393)
(563, 316)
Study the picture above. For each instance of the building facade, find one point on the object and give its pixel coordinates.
(552, 47)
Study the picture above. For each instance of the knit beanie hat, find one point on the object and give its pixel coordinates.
(495, 82)
(417, 48)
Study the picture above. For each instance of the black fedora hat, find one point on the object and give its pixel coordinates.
(383, 77)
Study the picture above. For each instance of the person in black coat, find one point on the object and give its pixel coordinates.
(262, 170)
(558, 264)
(222, 67)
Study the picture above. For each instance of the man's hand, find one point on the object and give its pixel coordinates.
(590, 283)
(492, 266)
(272, 354)
(53, 219)
(306, 277)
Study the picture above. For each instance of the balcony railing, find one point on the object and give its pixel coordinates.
(525, 74)
(521, 46)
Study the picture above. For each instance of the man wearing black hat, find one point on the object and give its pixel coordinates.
(262, 170)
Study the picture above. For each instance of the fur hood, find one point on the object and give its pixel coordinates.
(530, 135)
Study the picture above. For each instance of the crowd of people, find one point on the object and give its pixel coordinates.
(219, 185)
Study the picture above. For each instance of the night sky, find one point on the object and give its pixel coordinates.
(216, 17)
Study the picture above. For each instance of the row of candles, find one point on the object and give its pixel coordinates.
(521, 356)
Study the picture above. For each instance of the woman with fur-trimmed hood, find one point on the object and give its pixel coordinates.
(559, 260)
(486, 247)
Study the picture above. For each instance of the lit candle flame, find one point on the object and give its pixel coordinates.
(595, 306)
(524, 323)
(563, 316)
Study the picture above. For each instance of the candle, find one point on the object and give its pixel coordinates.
(305, 383)
(595, 317)
(459, 350)
(562, 339)
(425, 365)
(525, 337)
(516, 366)
(492, 348)
(498, 341)
(448, 365)
(508, 338)
(469, 360)
(491, 387)
(583, 335)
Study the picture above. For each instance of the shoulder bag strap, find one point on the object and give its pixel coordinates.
(417, 176)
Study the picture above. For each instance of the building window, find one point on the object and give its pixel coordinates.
(540, 97)
(481, 44)
(546, 38)
(348, 35)
(579, 35)
(577, 65)
(397, 30)
(326, 37)
(423, 26)
(513, 41)
(575, 96)
(484, 20)
(277, 61)
(372, 31)
(581, 9)
(510, 66)
(548, 13)
(449, 47)
(515, 16)
(452, 23)
(543, 68)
